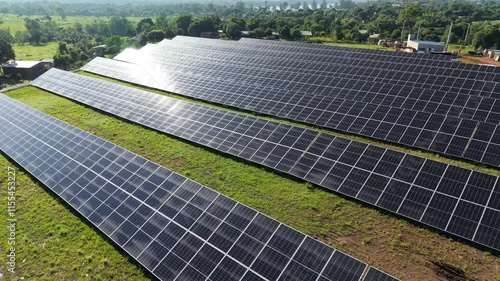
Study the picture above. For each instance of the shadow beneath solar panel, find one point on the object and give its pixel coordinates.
(73, 211)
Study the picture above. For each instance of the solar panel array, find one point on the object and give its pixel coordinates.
(457, 200)
(271, 74)
(175, 227)
(458, 137)
(426, 73)
(293, 46)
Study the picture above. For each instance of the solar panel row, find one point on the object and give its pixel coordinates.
(305, 51)
(414, 57)
(462, 79)
(311, 48)
(453, 136)
(311, 53)
(375, 91)
(453, 199)
(175, 227)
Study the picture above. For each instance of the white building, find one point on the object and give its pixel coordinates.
(424, 46)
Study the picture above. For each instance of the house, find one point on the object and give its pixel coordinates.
(492, 53)
(306, 33)
(274, 36)
(374, 38)
(99, 51)
(424, 46)
(29, 70)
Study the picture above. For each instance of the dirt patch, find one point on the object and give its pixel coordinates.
(447, 271)
(478, 60)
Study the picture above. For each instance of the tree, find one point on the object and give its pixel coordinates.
(202, 24)
(182, 21)
(296, 6)
(233, 30)
(63, 48)
(260, 32)
(161, 22)
(34, 30)
(115, 44)
(296, 34)
(6, 36)
(240, 7)
(119, 26)
(6, 51)
(61, 61)
(285, 32)
(396, 34)
(486, 35)
(346, 4)
(314, 5)
(384, 24)
(169, 33)
(60, 12)
(323, 5)
(155, 35)
(268, 32)
(144, 25)
(410, 14)
(21, 37)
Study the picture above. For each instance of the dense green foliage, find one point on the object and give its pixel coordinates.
(6, 51)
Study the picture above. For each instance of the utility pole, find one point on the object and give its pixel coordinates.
(449, 35)
(466, 36)
(418, 32)
(402, 31)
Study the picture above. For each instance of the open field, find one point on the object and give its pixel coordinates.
(35, 52)
(16, 23)
(491, 21)
(66, 245)
(328, 41)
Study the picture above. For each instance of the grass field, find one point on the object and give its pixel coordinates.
(328, 41)
(54, 243)
(35, 52)
(16, 23)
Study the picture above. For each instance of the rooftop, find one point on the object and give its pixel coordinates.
(427, 42)
(22, 64)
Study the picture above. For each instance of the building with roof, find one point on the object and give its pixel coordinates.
(374, 38)
(28, 69)
(492, 53)
(422, 46)
(306, 33)
(99, 51)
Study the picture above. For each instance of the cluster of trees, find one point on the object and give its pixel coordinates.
(6, 51)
